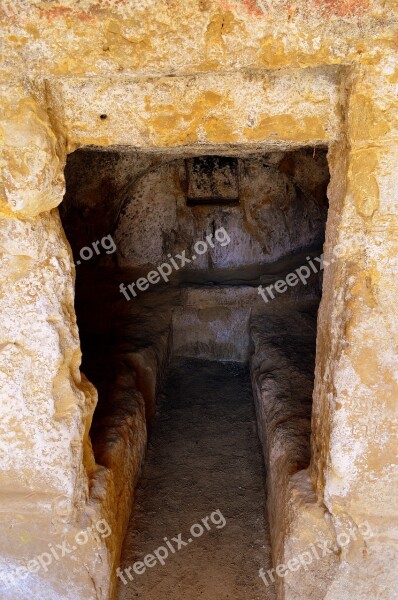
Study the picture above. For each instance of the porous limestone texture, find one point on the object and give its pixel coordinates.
(290, 108)
(282, 208)
(40, 341)
(148, 37)
(354, 465)
(32, 158)
(207, 76)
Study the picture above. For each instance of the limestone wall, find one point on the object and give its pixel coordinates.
(355, 419)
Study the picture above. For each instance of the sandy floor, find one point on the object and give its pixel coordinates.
(204, 456)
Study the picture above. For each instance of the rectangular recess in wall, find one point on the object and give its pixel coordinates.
(212, 180)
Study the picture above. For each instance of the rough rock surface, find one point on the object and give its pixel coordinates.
(282, 209)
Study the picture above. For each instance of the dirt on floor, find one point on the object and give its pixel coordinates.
(204, 468)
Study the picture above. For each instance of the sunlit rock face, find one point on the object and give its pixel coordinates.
(170, 81)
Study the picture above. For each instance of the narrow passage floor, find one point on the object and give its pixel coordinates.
(204, 460)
